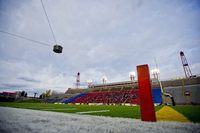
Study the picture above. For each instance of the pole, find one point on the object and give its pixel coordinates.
(145, 94)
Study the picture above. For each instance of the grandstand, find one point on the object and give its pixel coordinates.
(111, 93)
(59, 98)
(183, 91)
(127, 92)
(111, 97)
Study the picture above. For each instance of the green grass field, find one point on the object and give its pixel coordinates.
(191, 112)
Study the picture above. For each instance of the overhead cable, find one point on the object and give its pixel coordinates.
(48, 22)
(19, 36)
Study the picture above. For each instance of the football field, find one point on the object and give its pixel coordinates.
(192, 113)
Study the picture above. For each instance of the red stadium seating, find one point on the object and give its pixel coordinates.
(114, 97)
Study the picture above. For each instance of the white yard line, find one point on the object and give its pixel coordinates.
(89, 112)
(60, 109)
(39, 107)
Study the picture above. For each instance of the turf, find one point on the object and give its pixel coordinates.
(191, 112)
(29, 101)
(115, 110)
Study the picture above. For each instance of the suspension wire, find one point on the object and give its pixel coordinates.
(22, 37)
(49, 22)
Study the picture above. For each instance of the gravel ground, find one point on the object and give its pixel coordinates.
(13, 120)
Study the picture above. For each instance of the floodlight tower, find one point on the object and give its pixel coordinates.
(155, 73)
(186, 67)
(78, 80)
(132, 75)
(89, 83)
(35, 93)
(104, 79)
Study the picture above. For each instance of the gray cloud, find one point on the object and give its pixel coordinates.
(99, 38)
(12, 85)
(29, 79)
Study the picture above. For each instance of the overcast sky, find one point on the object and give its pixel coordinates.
(99, 38)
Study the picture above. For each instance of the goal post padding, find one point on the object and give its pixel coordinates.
(147, 110)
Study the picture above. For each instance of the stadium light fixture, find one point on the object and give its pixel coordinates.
(89, 82)
(104, 79)
(155, 71)
(132, 75)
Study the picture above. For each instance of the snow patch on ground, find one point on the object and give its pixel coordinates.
(13, 120)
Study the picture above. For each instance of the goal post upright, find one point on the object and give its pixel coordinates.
(147, 110)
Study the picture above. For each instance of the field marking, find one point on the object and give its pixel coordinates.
(169, 114)
(60, 109)
(88, 112)
(39, 107)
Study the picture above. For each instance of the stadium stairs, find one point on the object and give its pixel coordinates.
(74, 98)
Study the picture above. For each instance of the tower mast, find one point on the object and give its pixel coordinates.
(78, 80)
(188, 73)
